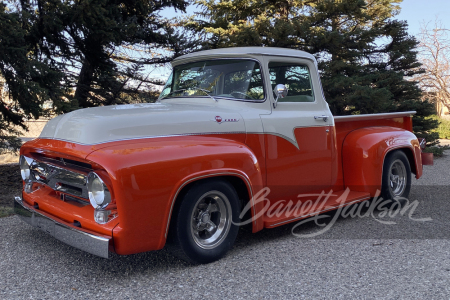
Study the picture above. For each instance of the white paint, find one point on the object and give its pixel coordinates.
(111, 123)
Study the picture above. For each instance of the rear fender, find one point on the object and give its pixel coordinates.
(364, 151)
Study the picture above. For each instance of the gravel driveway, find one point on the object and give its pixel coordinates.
(357, 258)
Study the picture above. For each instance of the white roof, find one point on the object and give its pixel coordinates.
(235, 51)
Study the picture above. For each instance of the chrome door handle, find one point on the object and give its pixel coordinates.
(323, 117)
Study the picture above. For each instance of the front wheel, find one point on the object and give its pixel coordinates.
(202, 230)
(396, 176)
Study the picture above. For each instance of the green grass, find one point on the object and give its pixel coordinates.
(6, 211)
(444, 133)
(444, 127)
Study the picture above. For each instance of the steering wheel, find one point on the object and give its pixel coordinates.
(241, 93)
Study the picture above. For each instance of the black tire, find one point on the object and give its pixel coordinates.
(192, 235)
(396, 183)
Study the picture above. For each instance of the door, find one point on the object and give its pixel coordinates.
(298, 133)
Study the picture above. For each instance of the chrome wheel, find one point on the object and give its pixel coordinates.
(397, 178)
(211, 219)
(396, 181)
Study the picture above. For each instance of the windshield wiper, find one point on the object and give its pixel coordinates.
(181, 90)
(176, 91)
(207, 93)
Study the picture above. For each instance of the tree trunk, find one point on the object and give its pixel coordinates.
(84, 84)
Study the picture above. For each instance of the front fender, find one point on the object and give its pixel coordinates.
(364, 151)
(147, 176)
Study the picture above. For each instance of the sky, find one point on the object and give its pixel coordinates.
(416, 12)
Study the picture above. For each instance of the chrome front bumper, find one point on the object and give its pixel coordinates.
(97, 245)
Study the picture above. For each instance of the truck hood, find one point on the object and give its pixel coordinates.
(132, 121)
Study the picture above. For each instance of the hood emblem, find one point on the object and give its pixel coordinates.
(221, 120)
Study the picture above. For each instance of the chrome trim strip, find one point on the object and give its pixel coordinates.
(145, 137)
(374, 116)
(190, 134)
(316, 213)
(206, 176)
(218, 97)
(97, 245)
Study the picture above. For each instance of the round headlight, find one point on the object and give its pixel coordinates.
(99, 195)
(25, 163)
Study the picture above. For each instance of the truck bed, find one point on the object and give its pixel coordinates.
(346, 124)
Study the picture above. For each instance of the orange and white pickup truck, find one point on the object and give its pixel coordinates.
(229, 123)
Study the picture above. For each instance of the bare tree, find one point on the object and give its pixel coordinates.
(435, 58)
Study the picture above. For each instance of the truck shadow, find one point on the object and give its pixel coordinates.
(248, 248)
(51, 253)
(47, 249)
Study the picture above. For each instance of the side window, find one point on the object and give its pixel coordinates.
(295, 77)
(168, 87)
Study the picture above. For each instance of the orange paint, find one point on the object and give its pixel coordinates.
(308, 168)
(50, 204)
(344, 126)
(147, 175)
(363, 154)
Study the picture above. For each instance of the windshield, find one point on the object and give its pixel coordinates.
(228, 78)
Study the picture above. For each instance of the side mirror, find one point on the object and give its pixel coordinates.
(280, 91)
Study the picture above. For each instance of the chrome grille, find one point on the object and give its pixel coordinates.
(60, 176)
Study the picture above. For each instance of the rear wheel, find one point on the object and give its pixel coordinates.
(396, 176)
(201, 229)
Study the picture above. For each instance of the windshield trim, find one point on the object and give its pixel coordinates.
(222, 97)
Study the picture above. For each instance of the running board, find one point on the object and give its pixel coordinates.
(284, 212)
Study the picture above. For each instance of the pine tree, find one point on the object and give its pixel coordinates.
(101, 42)
(75, 54)
(26, 81)
(100, 47)
(366, 57)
